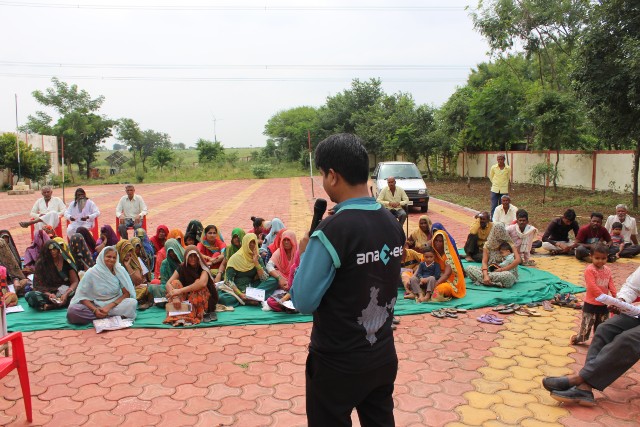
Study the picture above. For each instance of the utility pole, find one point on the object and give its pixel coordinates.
(215, 137)
(17, 139)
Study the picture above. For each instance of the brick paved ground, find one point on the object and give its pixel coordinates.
(452, 371)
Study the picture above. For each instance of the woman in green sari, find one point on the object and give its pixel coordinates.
(236, 243)
(246, 269)
(175, 257)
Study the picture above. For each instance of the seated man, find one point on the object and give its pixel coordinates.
(477, 237)
(505, 212)
(395, 199)
(523, 234)
(556, 237)
(614, 349)
(130, 211)
(629, 231)
(47, 210)
(591, 234)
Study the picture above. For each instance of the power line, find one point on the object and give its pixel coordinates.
(322, 67)
(234, 8)
(229, 79)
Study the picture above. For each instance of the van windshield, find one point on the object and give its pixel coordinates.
(399, 171)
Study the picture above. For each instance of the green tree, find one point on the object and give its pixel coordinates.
(289, 129)
(34, 164)
(128, 131)
(209, 151)
(150, 142)
(179, 146)
(162, 157)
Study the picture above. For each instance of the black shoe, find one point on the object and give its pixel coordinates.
(556, 383)
(395, 320)
(574, 395)
(210, 317)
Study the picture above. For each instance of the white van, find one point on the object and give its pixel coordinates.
(407, 177)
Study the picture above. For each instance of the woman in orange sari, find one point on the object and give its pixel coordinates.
(451, 282)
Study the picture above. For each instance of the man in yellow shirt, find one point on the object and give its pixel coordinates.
(395, 199)
(499, 175)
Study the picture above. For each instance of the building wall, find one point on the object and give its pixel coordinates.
(46, 143)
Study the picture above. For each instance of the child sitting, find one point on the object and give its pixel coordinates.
(617, 239)
(424, 280)
(599, 280)
(506, 251)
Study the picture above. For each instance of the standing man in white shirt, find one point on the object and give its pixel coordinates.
(395, 199)
(130, 211)
(47, 210)
(629, 231)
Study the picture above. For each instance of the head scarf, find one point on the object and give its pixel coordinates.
(157, 243)
(280, 258)
(33, 252)
(189, 274)
(232, 249)
(242, 260)
(420, 237)
(124, 248)
(449, 257)
(135, 242)
(46, 277)
(439, 227)
(112, 237)
(146, 243)
(178, 235)
(102, 286)
(277, 241)
(276, 226)
(195, 228)
(172, 245)
(12, 244)
(497, 235)
(51, 232)
(81, 252)
(65, 249)
(88, 238)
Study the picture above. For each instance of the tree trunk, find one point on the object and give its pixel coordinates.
(88, 169)
(426, 160)
(636, 162)
(69, 165)
(555, 172)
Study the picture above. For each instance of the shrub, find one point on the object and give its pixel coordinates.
(261, 171)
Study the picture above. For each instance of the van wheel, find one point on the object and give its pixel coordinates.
(424, 208)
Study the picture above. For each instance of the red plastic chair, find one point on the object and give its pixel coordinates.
(144, 224)
(58, 229)
(18, 362)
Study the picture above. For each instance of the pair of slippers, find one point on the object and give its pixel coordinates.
(507, 309)
(448, 312)
(567, 300)
(524, 311)
(491, 319)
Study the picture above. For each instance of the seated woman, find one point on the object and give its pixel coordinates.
(451, 282)
(82, 212)
(150, 250)
(192, 282)
(31, 255)
(190, 239)
(438, 226)
(129, 260)
(503, 277)
(212, 247)
(194, 228)
(51, 232)
(55, 279)
(421, 237)
(89, 240)
(82, 255)
(273, 247)
(175, 257)
(259, 229)
(279, 266)
(108, 237)
(14, 272)
(246, 269)
(276, 226)
(142, 256)
(161, 236)
(8, 239)
(105, 290)
(162, 254)
(237, 234)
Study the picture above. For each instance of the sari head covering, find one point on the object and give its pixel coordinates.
(137, 243)
(125, 248)
(148, 247)
(33, 252)
(455, 285)
(497, 236)
(63, 246)
(51, 232)
(420, 237)
(189, 274)
(242, 260)
(195, 228)
(157, 243)
(169, 265)
(231, 248)
(112, 237)
(81, 252)
(178, 235)
(218, 244)
(101, 285)
(438, 226)
(46, 277)
(88, 238)
(276, 226)
(12, 245)
(277, 241)
(280, 258)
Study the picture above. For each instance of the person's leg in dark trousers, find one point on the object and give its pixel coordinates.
(582, 252)
(332, 395)
(495, 201)
(471, 248)
(614, 349)
(630, 251)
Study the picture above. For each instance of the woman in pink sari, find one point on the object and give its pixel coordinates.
(282, 260)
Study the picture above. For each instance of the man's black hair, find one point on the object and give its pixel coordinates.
(521, 213)
(597, 215)
(346, 155)
(570, 214)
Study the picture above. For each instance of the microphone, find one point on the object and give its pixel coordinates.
(319, 209)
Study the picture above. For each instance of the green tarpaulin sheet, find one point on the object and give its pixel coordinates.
(534, 285)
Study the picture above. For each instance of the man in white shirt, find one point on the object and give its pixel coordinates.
(505, 212)
(629, 231)
(47, 210)
(395, 199)
(615, 348)
(130, 211)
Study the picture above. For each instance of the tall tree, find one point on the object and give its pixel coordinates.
(128, 131)
(34, 164)
(289, 130)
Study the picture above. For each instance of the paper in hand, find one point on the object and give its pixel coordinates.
(625, 307)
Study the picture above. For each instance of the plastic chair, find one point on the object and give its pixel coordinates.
(18, 362)
(144, 224)
(58, 229)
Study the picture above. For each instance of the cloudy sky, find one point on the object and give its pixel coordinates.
(175, 65)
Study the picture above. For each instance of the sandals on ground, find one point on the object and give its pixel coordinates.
(491, 319)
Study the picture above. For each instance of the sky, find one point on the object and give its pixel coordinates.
(220, 69)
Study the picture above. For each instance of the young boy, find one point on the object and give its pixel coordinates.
(617, 239)
(424, 280)
(599, 280)
(506, 251)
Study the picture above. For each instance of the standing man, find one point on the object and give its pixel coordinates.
(348, 278)
(395, 199)
(130, 211)
(47, 210)
(499, 175)
(629, 231)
